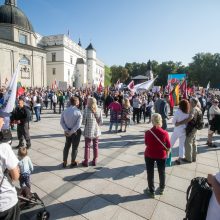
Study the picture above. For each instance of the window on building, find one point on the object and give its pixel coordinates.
(71, 59)
(54, 71)
(23, 39)
(53, 57)
(24, 60)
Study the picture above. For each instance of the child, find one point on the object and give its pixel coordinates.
(26, 167)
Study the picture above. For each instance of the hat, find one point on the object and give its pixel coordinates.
(4, 114)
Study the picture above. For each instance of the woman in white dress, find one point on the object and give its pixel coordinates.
(179, 131)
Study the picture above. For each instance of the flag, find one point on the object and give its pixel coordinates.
(20, 89)
(172, 104)
(99, 89)
(146, 85)
(131, 85)
(176, 95)
(183, 89)
(106, 91)
(208, 86)
(10, 95)
(54, 84)
(117, 84)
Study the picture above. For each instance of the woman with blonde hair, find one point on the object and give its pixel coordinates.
(92, 119)
(125, 114)
(157, 143)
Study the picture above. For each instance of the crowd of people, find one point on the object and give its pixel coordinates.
(87, 108)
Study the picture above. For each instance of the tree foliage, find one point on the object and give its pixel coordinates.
(119, 73)
(108, 76)
(204, 67)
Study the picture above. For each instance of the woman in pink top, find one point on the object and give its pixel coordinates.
(115, 114)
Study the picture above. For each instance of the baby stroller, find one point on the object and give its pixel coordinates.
(28, 200)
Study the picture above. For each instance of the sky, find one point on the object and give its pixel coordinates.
(131, 30)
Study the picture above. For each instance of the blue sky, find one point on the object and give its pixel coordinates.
(132, 30)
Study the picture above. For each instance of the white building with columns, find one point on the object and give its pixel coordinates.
(43, 59)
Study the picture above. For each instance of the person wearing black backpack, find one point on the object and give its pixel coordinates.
(191, 131)
(213, 212)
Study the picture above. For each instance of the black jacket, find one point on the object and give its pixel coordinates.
(22, 114)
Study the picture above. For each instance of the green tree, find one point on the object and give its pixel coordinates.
(204, 68)
(119, 73)
(108, 76)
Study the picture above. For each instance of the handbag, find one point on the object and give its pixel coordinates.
(169, 158)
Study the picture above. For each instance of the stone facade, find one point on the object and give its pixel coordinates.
(69, 62)
(43, 59)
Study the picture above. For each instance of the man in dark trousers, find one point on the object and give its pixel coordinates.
(109, 99)
(71, 120)
(21, 116)
(163, 110)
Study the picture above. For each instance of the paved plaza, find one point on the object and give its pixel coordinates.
(114, 188)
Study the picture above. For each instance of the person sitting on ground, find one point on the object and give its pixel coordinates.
(157, 144)
(25, 166)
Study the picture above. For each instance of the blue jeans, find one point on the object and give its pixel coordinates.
(116, 126)
(37, 112)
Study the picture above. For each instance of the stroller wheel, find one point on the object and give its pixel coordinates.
(43, 215)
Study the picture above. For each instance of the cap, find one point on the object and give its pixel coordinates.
(4, 114)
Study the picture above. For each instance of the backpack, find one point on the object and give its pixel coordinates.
(38, 99)
(198, 195)
(199, 122)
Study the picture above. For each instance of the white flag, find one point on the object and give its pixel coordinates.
(208, 85)
(10, 95)
(145, 86)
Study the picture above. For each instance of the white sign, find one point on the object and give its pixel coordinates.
(62, 85)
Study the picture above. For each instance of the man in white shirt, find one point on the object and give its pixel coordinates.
(9, 208)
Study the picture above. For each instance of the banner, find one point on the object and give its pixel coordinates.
(175, 79)
(10, 95)
(62, 85)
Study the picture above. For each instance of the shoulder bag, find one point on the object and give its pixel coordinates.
(169, 158)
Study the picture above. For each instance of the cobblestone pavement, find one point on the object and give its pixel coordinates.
(114, 188)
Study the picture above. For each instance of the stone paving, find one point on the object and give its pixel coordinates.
(114, 188)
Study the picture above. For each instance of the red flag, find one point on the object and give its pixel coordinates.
(171, 100)
(183, 89)
(131, 85)
(20, 89)
(99, 89)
